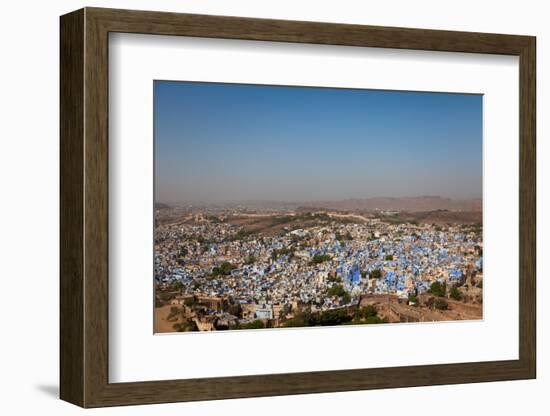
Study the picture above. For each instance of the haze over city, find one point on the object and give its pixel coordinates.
(218, 142)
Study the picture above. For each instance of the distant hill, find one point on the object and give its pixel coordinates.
(438, 216)
(411, 204)
(160, 205)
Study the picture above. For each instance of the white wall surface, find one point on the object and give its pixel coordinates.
(29, 223)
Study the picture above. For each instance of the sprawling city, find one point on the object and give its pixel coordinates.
(283, 207)
(220, 268)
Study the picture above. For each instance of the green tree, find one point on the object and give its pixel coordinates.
(374, 320)
(367, 311)
(320, 258)
(250, 260)
(301, 319)
(413, 299)
(346, 298)
(223, 269)
(455, 294)
(257, 324)
(437, 288)
(333, 317)
(336, 290)
(389, 257)
(376, 274)
(441, 304)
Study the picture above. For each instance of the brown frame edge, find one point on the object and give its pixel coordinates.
(84, 207)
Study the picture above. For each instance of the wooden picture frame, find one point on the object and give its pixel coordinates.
(84, 207)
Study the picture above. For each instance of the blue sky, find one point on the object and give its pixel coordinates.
(234, 142)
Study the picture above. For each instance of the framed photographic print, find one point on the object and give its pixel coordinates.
(242, 199)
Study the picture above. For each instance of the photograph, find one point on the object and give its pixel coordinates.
(289, 206)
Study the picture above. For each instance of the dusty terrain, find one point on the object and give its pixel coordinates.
(391, 308)
(160, 321)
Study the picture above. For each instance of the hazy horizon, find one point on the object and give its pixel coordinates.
(298, 201)
(217, 143)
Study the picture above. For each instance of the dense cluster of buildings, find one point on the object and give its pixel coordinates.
(325, 266)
